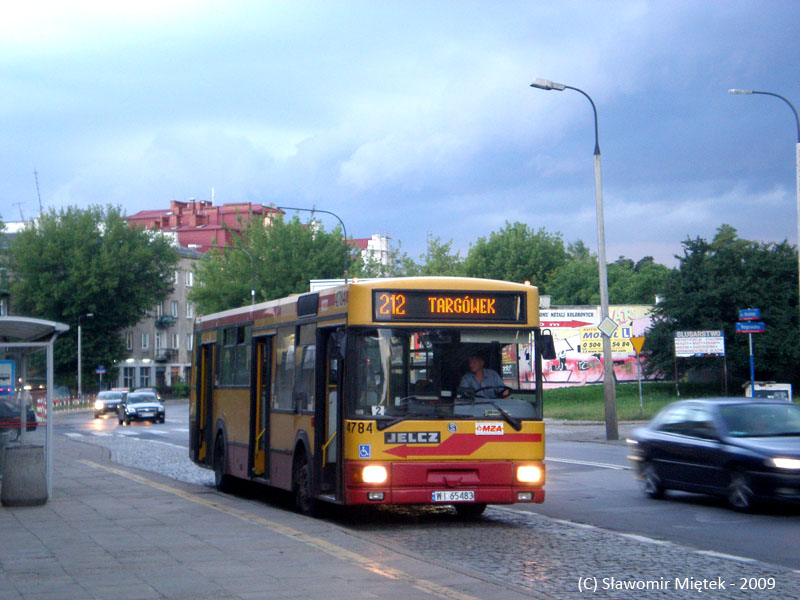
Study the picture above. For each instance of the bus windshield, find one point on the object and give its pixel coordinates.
(430, 373)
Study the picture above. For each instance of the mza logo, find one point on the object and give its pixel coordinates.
(488, 429)
(412, 437)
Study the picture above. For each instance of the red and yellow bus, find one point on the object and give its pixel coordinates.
(352, 394)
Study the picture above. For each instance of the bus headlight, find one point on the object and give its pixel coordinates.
(374, 474)
(530, 474)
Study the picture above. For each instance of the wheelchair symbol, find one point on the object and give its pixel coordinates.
(364, 451)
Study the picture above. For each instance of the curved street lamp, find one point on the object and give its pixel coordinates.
(327, 212)
(606, 325)
(797, 163)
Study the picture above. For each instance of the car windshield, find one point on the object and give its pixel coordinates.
(139, 398)
(110, 395)
(426, 373)
(761, 420)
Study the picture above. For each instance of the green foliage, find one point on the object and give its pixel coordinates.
(74, 262)
(577, 281)
(517, 253)
(286, 255)
(712, 283)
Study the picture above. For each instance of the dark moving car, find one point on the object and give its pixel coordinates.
(744, 449)
(141, 406)
(108, 402)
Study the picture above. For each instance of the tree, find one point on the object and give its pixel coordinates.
(713, 282)
(286, 255)
(74, 262)
(517, 253)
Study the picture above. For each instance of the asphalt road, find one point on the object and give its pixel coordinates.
(588, 483)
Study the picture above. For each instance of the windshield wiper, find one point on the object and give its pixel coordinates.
(515, 423)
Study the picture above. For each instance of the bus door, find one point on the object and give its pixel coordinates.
(327, 413)
(259, 406)
(205, 386)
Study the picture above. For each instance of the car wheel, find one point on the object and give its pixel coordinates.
(127, 420)
(303, 499)
(222, 481)
(96, 416)
(470, 511)
(120, 421)
(651, 482)
(740, 494)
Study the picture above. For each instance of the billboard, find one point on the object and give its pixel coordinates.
(579, 345)
(699, 343)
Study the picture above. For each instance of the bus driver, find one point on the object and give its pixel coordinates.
(486, 380)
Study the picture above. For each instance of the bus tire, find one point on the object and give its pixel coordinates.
(303, 499)
(222, 481)
(470, 511)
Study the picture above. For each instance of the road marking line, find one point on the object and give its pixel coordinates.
(587, 463)
(723, 555)
(644, 539)
(127, 432)
(364, 562)
(73, 434)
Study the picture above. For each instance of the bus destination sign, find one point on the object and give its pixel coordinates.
(449, 306)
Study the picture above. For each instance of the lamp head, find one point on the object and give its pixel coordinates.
(740, 91)
(546, 84)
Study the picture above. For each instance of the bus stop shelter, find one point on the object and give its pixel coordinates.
(19, 338)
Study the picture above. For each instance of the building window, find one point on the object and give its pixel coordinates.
(145, 341)
(174, 308)
(160, 309)
(177, 277)
(189, 310)
(157, 339)
(189, 341)
(144, 377)
(128, 377)
(189, 279)
(129, 340)
(176, 341)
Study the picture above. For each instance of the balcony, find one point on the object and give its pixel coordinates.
(165, 321)
(165, 354)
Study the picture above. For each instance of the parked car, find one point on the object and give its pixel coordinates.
(141, 406)
(744, 449)
(108, 402)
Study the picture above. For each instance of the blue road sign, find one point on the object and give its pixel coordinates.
(750, 314)
(750, 327)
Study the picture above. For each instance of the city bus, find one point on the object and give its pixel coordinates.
(353, 395)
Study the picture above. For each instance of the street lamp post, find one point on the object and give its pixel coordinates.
(609, 389)
(344, 231)
(87, 315)
(797, 164)
(252, 265)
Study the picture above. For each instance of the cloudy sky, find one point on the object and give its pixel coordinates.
(411, 119)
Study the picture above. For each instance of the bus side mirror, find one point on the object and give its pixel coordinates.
(548, 345)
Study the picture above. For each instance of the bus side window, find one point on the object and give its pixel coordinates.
(284, 371)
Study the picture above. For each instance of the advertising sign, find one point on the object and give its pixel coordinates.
(592, 340)
(6, 377)
(699, 343)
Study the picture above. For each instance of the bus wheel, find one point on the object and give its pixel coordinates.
(470, 511)
(303, 500)
(222, 481)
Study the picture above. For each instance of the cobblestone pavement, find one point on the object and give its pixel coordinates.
(536, 555)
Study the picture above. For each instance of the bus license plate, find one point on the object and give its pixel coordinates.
(453, 496)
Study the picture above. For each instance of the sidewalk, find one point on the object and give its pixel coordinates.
(114, 532)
